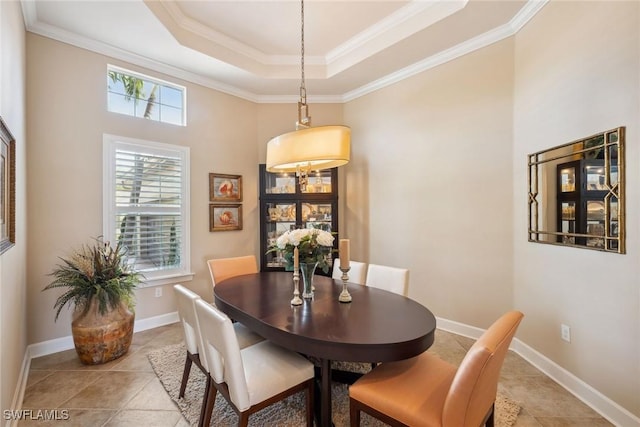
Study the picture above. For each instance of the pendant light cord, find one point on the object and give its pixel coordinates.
(303, 89)
(304, 121)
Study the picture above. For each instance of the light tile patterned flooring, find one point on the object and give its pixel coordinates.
(126, 392)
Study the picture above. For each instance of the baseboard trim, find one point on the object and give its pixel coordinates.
(606, 407)
(18, 395)
(156, 321)
(66, 343)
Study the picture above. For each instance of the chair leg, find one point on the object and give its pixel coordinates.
(354, 413)
(185, 375)
(490, 418)
(243, 419)
(208, 402)
(310, 398)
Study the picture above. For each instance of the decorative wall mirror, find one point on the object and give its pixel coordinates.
(576, 193)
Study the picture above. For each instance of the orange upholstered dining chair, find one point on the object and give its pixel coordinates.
(427, 391)
(226, 268)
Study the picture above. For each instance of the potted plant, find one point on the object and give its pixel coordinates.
(100, 284)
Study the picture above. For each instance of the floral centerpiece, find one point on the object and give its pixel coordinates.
(313, 246)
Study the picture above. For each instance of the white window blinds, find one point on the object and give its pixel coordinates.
(146, 192)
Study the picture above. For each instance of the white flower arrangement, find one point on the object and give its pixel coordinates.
(313, 246)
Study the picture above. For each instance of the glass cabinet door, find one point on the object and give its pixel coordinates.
(317, 215)
(595, 223)
(595, 178)
(568, 180)
(283, 183)
(281, 218)
(319, 182)
(568, 221)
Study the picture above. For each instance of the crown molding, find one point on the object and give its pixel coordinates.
(34, 26)
(497, 34)
(531, 8)
(408, 20)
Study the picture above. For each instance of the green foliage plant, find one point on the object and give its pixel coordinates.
(98, 270)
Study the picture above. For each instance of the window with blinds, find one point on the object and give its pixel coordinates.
(146, 194)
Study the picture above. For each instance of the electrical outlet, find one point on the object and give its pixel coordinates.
(565, 332)
(158, 292)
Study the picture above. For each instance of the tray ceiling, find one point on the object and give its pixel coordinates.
(251, 49)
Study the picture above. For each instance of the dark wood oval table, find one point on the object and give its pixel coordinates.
(377, 326)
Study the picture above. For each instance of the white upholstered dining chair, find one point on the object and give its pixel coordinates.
(185, 300)
(391, 279)
(252, 378)
(357, 273)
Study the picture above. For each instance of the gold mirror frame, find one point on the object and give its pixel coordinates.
(576, 193)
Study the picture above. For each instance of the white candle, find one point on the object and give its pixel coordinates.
(344, 253)
(296, 259)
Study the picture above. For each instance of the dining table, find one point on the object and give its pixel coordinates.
(376, 326)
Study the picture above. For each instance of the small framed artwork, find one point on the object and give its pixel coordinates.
(7, 189)
(225, 217)
(225, 188)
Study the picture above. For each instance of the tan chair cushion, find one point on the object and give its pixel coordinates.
(426, 372)
(225, 268)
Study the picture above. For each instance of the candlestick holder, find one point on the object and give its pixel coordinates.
(296, 290)
(345, 296)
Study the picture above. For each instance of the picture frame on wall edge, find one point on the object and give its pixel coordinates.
(7, 188)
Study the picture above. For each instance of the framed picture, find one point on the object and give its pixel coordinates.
(7, 189)
(225, 188)
(225, 217)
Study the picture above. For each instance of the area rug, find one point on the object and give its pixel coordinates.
(168, 364)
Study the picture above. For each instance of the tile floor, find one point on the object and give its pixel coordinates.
(126, 392)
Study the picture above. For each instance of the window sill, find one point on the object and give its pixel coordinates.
(170, 279)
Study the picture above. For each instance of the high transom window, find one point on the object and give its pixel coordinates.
(138, 95)
(146, 204)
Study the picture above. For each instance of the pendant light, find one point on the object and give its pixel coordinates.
(308, 148)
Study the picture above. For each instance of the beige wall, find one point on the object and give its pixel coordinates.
(436, 183)
(13, 284)
(66, 119)
(573, 81)
(430, 184)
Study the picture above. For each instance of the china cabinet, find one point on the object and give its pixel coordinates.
(285, 206)
(585, 205)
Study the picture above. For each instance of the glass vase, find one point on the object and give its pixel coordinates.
(307, 270)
